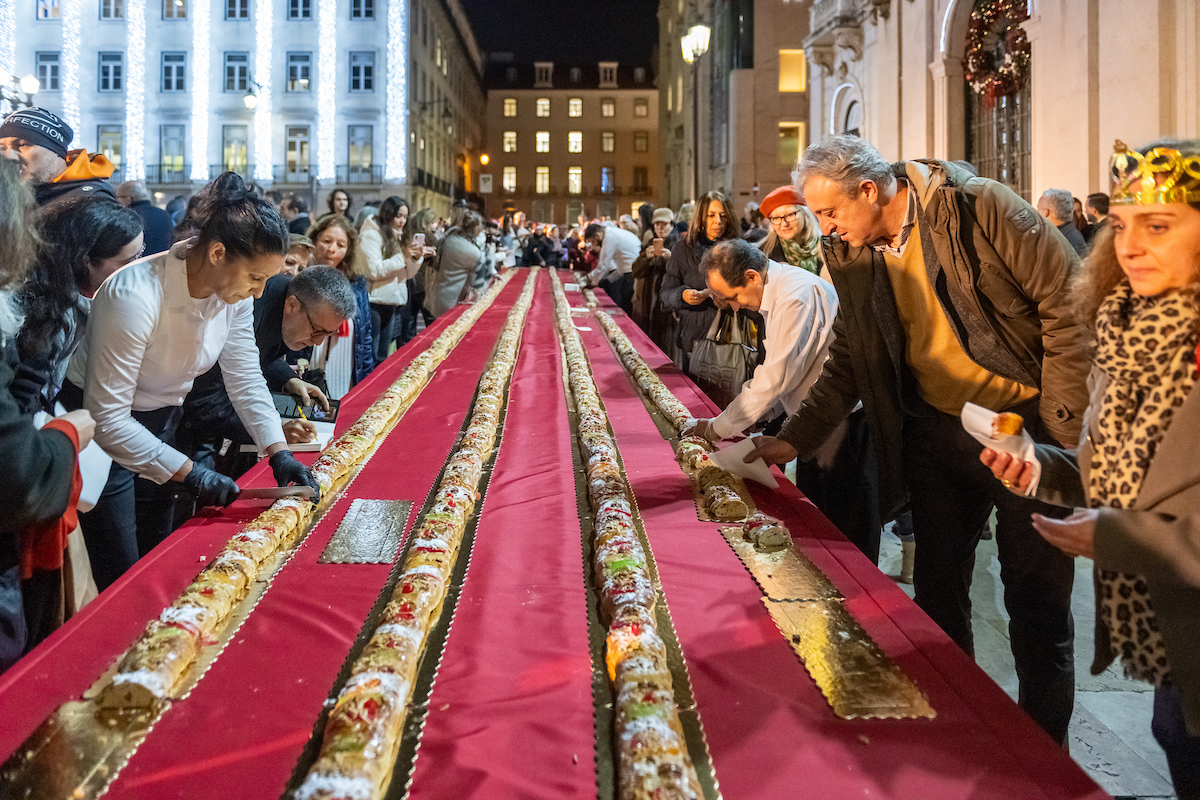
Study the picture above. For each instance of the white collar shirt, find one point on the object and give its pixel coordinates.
(798, 308)
(617, 254)
(146, 342)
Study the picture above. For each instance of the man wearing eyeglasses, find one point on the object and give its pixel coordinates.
(293, 313)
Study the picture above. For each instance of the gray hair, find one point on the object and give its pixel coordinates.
(846, 160)
(136, 189)
(319, 284)
(731, 258)
(1060, 202)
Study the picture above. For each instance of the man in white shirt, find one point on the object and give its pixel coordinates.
(617, 249)
(798, 308)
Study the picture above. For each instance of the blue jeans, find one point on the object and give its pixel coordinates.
(1181, 747)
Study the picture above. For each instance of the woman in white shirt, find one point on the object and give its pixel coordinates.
(391, 259)
(155, 325)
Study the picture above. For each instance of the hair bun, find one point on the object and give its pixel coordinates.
(230, 188)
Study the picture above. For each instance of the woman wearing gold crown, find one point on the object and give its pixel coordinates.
(1136, 470)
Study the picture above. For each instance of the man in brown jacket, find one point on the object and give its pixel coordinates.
(952, 290)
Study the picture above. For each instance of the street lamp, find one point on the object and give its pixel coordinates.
(12, 89)
(694, 44)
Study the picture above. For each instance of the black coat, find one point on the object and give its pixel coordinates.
(683, 272)
(300, 224)
(38, 470)
(208, 411)
(156, 225)
(45, 192)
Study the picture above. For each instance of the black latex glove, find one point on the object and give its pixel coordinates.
(288, 470)
(26, 388)
(210, 487)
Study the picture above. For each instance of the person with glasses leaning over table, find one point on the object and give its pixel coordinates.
(155, 325)
(292, 314)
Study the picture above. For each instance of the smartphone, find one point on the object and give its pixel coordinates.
(419, 239)
(288, 408)
(658, 248)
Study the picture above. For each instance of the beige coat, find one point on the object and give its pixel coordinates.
(1160, 539)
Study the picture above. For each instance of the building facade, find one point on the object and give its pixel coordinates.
(298, 95)
(567, 139)
(736, 118)
(1098, 70)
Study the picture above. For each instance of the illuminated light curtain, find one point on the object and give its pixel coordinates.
(200, 11)
(327, 72)
(263, 19)
(134, 155)
(72, 30)
(396, 158)
(8, 45)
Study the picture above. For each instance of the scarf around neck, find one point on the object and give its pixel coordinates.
(1147, 348)
(802, 255)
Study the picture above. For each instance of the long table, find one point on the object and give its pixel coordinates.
(511, 712)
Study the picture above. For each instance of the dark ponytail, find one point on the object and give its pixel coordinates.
(388, 210)
(230, 212)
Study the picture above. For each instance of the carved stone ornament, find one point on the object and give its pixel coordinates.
(850, 38)
(823, 56)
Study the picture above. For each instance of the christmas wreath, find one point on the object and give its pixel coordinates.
(997, 58)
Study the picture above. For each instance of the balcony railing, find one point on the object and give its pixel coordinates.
(357, 174)
(828, 14)
(168, 173)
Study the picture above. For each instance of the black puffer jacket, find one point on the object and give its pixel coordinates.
(683, 272)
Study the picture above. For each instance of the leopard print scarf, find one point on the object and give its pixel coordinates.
(1147, 348)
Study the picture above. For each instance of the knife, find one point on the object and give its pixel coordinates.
(277, 492)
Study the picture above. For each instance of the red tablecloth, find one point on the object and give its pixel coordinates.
(511, 709)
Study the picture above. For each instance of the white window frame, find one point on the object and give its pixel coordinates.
(299, 68)
(542, 142)
(542, 184)
(608, 107)
(112, 9)
(362, 9)
(173, 72)
(510, 106)
(239, 61)
(110, 76)
(362, 71)
(608, 141)
(48, 69)
(543, 106)
(574, 180)
(237, 9)
(575, 142)
(299, 9)
(174, 9)
(575, 107)
(509, 179)
(509, 141)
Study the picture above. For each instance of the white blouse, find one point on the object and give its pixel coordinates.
(147, 340)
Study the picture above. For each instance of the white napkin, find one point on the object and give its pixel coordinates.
(977, 421)
(570, 287)
(730, 460)
(93, 464)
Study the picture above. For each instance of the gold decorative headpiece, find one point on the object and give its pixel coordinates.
(1162, 175)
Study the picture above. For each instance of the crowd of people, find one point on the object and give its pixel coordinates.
(857, 310)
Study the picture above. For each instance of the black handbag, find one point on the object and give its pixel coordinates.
(725, 358)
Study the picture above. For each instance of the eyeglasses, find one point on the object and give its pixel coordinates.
(317, 333)
(784, 219)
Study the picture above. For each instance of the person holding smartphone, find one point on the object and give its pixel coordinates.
(648, 272)
(392, 257)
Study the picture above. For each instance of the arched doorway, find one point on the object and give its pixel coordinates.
(997, 118)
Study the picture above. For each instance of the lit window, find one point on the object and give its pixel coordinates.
(641, 107)
(510, 179)
(174, 65)
(510, 106)
(793, 71)
(575, 180)
(640, 142)
(47, 9)
(608, 107)
(510, 141)
(608, 179)
(608, 141)
(791, 141)
(543, 106)
(575, 107)
(111, 67)
(299, 72)
(543, 141)
(174, 9)
(543, 180)
(108, 140)
(670, 97)
(575, 142)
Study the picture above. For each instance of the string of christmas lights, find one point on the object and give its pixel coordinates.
(262, 74)
(71, 12)
(134, 156)
(326, 87)
(201, 10)
(395, 166)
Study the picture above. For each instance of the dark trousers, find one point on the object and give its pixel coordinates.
(846, 489)
(952, 495)
(620, 289)
(133, 515)
(382, 319)
(1181, 747)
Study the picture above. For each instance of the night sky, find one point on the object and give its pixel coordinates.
(567, 31)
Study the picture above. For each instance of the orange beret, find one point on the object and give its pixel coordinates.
(783, 196)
